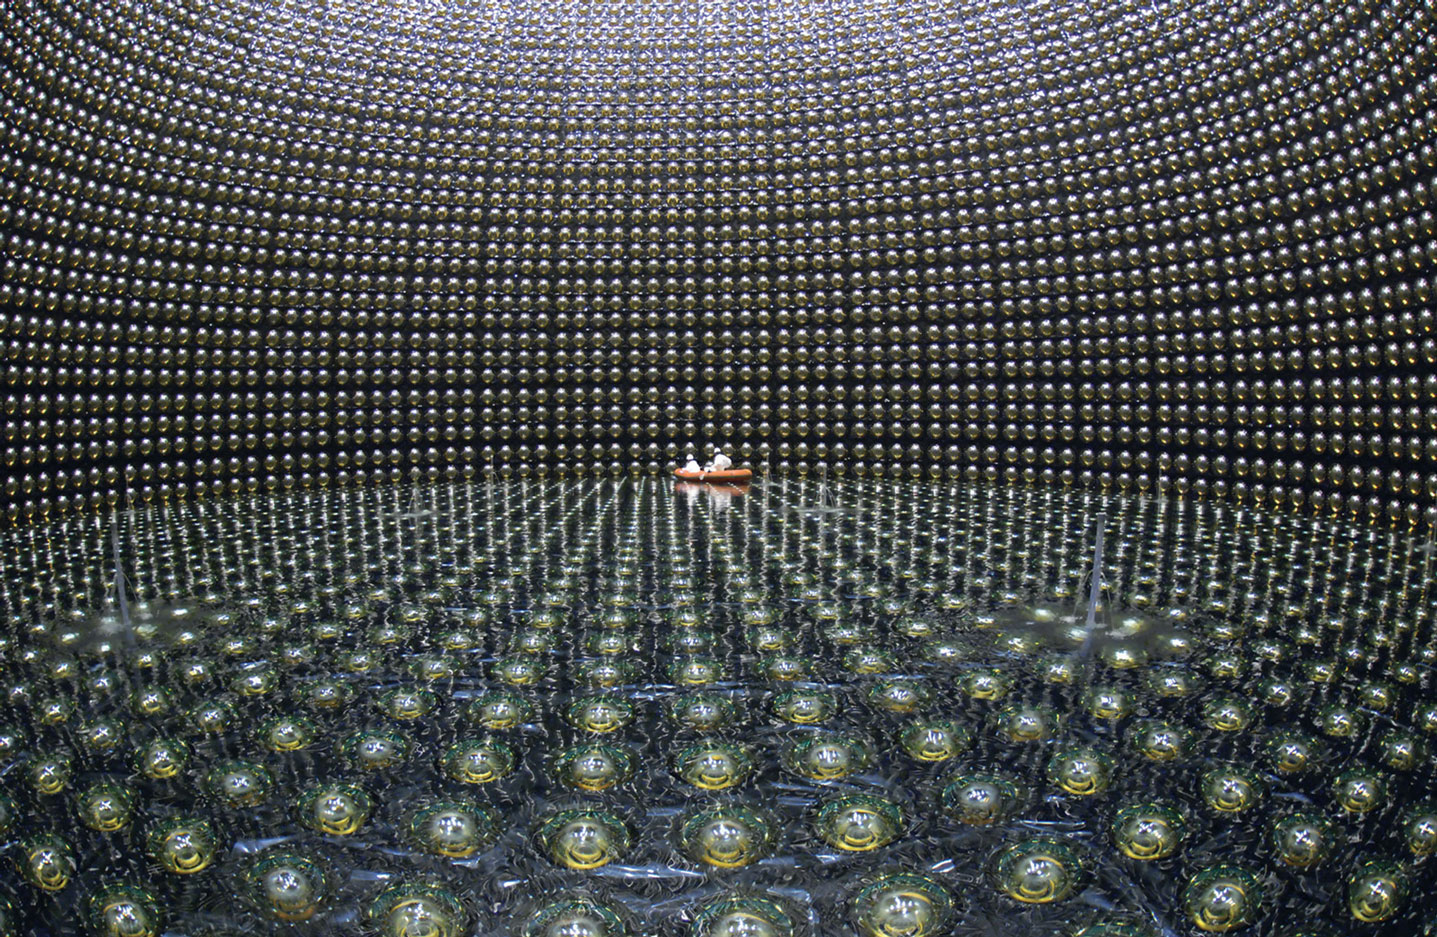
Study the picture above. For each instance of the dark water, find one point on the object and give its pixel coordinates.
(583, 706)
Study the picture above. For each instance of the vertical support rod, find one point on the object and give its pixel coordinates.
(121, 599)
(1095, 590)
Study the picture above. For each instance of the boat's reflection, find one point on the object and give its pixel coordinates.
(720, 495)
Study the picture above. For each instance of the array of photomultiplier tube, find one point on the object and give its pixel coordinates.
(1180, 247)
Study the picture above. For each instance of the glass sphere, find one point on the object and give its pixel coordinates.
(1161, 741)
(703, 712)
(1377, 891)
(499, 711)
(1231, 789)
(184, 845)
(375, 749)
(575, 917)
(1419, 828)
(1291, 752)
(599, 714)
(1037, 871)
(239, 783)
(594, 767)
(1026, 722)
(124, 911)
(1082, 772)
(826, 757)
(934, 740)
(334, 809)
(1222, 898)
(286, 886)
(46, 861)
(106, 807)
(519, 670)
(902, 904)
(479, 761)
(417, 909)
(980, 799)
(859, 822)
(49, 775)
(327, 695)
(742, 916)
(1359, 790)
(103, 736)
(899, 696)
(287, 733)
(805, 707)
(454, 829)
(406, 704)
(985, 684)
(1302, 840)
(1108, 703)
(1148, 831)
(1401, 751)
(714, 765)
(726, 837)
(583, 839)
(696, 671)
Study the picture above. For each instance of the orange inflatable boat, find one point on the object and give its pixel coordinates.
(726, 476)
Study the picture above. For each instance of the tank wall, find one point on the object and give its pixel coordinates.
(1183, 247)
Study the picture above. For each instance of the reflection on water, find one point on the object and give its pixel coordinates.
(584, 707)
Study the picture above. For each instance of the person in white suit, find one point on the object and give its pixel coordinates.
(719, 462)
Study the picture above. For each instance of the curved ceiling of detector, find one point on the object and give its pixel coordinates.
(1162, 246)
